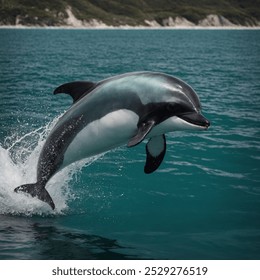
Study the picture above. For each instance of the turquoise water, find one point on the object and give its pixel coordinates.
(203, 202)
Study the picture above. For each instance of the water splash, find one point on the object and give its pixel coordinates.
(18, 163)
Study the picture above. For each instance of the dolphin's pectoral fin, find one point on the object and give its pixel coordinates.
(75, 89)
(155, 151)
(143, 129)
(37, 190)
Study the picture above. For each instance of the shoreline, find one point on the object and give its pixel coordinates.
(102, 27)
(71, 21)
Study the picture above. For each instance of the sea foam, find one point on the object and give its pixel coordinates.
(18, 164)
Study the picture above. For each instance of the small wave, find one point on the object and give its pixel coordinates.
(18, 164)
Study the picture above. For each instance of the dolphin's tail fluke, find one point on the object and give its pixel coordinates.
(37, 190)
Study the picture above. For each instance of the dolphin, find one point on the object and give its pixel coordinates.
(124, 109)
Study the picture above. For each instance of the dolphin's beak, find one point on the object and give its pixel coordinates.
(195, 118)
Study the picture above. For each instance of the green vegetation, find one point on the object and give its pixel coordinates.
(131, 12)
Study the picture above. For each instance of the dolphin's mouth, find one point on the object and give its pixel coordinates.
(195, 118)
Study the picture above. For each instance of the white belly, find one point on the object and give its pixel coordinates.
(111, 131)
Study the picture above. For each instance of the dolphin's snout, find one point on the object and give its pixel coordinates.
(196, 119)
(207, 123)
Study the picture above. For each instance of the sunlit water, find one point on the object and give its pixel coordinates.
(203, 202)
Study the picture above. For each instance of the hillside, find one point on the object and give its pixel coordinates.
(130, 12)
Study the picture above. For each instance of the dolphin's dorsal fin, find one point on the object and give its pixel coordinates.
(143, 129)
(155, 151)
(76, 89)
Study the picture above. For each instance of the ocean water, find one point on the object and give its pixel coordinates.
(202, 203)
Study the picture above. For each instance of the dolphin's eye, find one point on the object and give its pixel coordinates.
(174, 108)
(177, 109)
(170, 107)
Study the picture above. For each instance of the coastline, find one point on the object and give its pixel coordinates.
(210, 22)
(126, 27)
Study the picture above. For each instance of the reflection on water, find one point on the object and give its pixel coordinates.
(36, 238)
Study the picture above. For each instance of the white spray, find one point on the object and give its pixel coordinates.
(18, 165)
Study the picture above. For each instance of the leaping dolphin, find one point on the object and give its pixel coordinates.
(124, 109)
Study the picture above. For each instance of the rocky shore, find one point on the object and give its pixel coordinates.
(211, 21)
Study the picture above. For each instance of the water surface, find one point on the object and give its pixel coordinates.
(203, 202)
